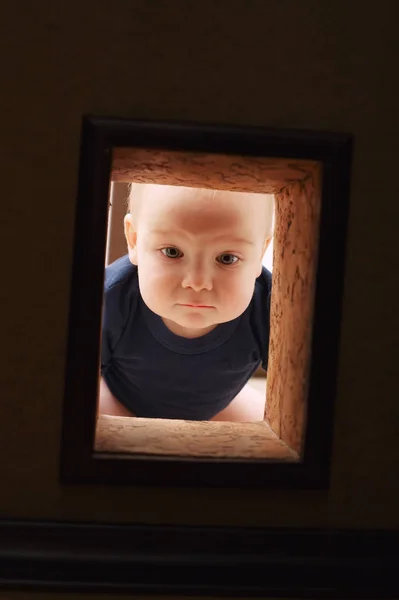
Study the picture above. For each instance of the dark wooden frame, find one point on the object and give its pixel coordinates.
(198, 561)
(79, 464)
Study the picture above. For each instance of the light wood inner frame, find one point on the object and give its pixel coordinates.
(296, 184)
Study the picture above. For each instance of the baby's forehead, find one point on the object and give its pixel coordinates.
(195, 199)
(197, 207)
(177, 192)
(201, 209)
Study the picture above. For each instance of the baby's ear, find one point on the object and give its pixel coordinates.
(131, 238)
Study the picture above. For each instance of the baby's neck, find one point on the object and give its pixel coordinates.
(187, 332)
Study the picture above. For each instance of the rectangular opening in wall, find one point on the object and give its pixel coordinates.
(209, 299)
(167, 361)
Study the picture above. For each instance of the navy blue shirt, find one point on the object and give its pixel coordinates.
(156, 373)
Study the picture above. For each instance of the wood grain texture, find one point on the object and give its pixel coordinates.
(172, 437)
(294, 273)
(216, 171)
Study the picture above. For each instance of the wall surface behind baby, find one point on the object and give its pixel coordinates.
(310, 65)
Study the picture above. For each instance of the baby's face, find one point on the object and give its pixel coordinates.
(198, 254)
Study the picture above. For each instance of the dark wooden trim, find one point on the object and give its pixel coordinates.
(78, 463)
(199, 561)
(328, 303)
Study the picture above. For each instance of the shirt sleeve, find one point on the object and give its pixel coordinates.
(120, 291)
(261, 316)
(111, 325)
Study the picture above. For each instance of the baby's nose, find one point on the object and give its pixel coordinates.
(198, 279)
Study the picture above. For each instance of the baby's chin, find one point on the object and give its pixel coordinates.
(197, 322)
(201, 318)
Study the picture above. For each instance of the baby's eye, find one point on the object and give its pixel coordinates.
(228, 259)
(171, 252)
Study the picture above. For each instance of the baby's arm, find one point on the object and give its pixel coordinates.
(248, 405)
(108, 404)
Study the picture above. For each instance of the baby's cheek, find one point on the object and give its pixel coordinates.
(148, 289)
(237, 302)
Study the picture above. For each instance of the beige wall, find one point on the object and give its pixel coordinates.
(278, 63)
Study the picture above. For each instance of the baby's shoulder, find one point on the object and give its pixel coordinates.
(120, 273)
(121, 290)
(121, 293)
(119, 303)
(263, 285)
(260, 305)
(260, 313)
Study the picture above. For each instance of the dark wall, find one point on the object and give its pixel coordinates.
(279, 63)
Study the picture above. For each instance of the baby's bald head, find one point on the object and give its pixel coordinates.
(145, 197)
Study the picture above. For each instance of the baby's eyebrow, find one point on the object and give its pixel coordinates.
(240, 241)
(220, 240)
(225, 238)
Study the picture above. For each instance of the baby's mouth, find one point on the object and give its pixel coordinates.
(197, 305)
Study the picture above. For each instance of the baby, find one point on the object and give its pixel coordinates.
(186, 311)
